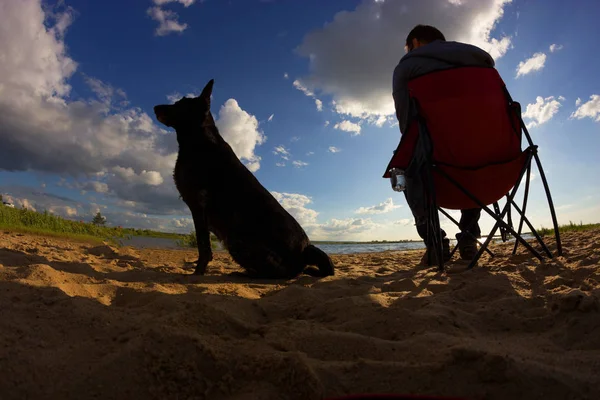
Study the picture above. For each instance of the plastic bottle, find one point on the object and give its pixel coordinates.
(397, 179)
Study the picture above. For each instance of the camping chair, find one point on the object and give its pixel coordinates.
(464, 142)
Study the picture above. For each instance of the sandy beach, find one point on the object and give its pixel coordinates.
(82, 321)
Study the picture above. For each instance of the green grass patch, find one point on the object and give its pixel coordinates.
(571, 227)
(35, 222)
(189, 240)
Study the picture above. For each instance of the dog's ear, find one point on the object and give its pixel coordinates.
(206, 92)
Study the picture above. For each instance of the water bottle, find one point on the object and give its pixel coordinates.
(397, 179)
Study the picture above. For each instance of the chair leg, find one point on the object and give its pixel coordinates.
(550, 205)
(525, 197)
(546, 188)
(455, 222)
(502, 230)
(535, 233)
(499, 219)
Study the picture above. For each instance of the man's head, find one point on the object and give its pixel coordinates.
(422, 35)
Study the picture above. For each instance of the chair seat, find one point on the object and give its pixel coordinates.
(488, 184)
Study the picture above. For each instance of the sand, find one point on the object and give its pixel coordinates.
(82, 321)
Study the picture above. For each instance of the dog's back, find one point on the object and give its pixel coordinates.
(258, 232)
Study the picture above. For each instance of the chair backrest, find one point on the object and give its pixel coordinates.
(468, 117)
(467, 114)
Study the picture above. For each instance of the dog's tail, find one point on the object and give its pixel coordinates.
(314, 256)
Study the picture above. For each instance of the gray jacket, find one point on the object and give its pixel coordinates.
(434, 56)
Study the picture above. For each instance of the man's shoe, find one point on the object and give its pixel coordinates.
(434, 259)
(467, 246)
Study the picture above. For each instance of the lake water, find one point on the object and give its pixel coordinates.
(341, 248)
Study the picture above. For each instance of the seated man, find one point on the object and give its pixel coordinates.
(426, 51)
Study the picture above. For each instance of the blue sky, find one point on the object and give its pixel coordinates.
(302, 93)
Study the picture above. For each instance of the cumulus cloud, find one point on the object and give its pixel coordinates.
(589, 109)
(176, 96)
(295, 204)
(43, 129)
(168, 21)
(555, 47)
(299, 164)
(351, 58)
(282, 152)
(186, 3)
(380, 208)
(534, 63)
(348, 126)
(346, 229)
(404, 222)
(270, 117)
(240, 131)
(333, 149)
(319, 104)
(326, 123)
(542, 110)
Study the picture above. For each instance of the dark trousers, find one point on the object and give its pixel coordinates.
(415, 197)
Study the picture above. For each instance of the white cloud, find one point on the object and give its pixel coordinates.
(319, 104)
(296, 204)
(348, 126)
(542, 110)
(310, 153)
(240, 131)
(326, 123)
(351, 58)
(64, 211)
(19, 202)
(555, 47)
(333, 149)
(294, 139)
(183, 223)
(405, 222)
(98, 187)
(186, 3)
(534, 63)
(43, 129)
(345, 229)
(174, 97)
(589, 109)
(105, 93)
(151, 178)
(299, 164)
(298, 85)
(381, 208)
(286, 76)
(280, 164)
(282, 152)
(270, 117)
(168, 21)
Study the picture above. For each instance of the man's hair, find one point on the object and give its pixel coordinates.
(425, 34)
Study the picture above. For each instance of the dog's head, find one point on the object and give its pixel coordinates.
(187, 112)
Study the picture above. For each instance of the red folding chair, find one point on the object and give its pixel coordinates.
(464, 142)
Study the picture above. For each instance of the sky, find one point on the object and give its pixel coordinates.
(302, 93)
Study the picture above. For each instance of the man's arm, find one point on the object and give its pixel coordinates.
(401, 97)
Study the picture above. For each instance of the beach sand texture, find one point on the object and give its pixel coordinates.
(82, 321)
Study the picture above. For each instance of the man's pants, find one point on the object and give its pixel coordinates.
(415, 197)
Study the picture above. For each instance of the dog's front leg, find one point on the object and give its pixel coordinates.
(203, 240)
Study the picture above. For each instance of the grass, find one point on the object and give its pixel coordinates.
(22, 220)
(571, 227)
(189, 240)
(47, 224)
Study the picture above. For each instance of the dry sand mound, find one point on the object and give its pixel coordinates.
(80, 322)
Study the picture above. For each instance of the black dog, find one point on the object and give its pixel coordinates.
(225, 198)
